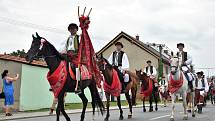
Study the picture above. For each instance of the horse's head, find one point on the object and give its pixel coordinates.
(174, 64)
(103, 63)
(142, 75)
(36, 47)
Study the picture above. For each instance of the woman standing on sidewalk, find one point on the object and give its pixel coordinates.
(9, 91)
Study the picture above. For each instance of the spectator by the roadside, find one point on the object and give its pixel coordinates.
(8, 91)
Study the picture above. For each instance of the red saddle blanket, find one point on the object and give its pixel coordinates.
(58, 78)
(147, 92)
(175, 85)
(115, 88)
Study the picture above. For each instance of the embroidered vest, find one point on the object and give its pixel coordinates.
(120, 55)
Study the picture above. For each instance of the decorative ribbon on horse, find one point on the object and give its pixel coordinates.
(86, 52)
(116, 87)
(175, 85)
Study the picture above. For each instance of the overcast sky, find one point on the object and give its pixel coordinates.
(161, 21)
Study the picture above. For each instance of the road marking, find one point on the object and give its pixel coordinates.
(159, 117)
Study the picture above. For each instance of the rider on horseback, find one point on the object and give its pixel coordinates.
(69, 51)
(151, 72)
(120, 62)
(185, 61)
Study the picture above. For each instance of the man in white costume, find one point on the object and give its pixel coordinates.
(151, 71)
(201, 90)
(185, 61)
(119, 60)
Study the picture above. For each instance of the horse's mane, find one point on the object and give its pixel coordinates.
(54, 49)
(108, 64)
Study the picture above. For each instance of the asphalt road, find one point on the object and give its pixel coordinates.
(161, 115)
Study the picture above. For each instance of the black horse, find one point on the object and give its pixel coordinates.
(107, 71)
(41, 47)
(145, 85)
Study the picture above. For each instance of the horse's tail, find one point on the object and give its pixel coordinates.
(97, 99)
(135, 80)
(134, 77)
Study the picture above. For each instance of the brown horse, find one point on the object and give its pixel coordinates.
(148, 90)
(108, 71)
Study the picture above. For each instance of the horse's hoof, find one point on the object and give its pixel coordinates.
(156, 109)
(185, 118)
(171, 119)
(150, 110)
(193, 115)
(106, 119)
(121, 118)
(144, 110)
(129, 116)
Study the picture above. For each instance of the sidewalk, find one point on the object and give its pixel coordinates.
(25, 115)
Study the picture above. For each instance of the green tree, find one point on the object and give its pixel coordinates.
(20, 53)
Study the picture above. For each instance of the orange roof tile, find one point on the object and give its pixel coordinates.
(22, 60)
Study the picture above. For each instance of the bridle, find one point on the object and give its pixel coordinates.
(43, 41)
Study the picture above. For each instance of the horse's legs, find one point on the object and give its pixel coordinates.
(192, 103)
(129, 103)
(107, 106)
(60, 107)
(155, 95)
(173, 107)
(150, 103)
(120, 108)
(144, 108)
(84, 101)
(92, 91)
(185, 105)
(134, 94)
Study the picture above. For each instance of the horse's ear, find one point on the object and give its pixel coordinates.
(33, 37)
(38, 36)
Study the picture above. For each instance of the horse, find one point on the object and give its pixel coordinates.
(191, 95)
(110, 74)
(178, 84)
(148, 90)
(41, 47)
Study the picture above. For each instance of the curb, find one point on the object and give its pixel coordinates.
(47, 115)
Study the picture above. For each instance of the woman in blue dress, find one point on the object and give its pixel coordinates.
(8, 91)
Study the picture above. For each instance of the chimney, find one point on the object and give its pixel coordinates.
(137, 37)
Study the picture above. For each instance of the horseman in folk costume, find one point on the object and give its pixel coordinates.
(185, 61)
(119, 60)
(151, 71)
(201, 90)
(70, 49)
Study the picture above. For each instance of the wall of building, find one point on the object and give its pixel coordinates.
(35, 92)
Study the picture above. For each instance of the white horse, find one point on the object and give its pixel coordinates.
(175, 86)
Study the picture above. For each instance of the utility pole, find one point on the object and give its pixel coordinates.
(160, 62)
